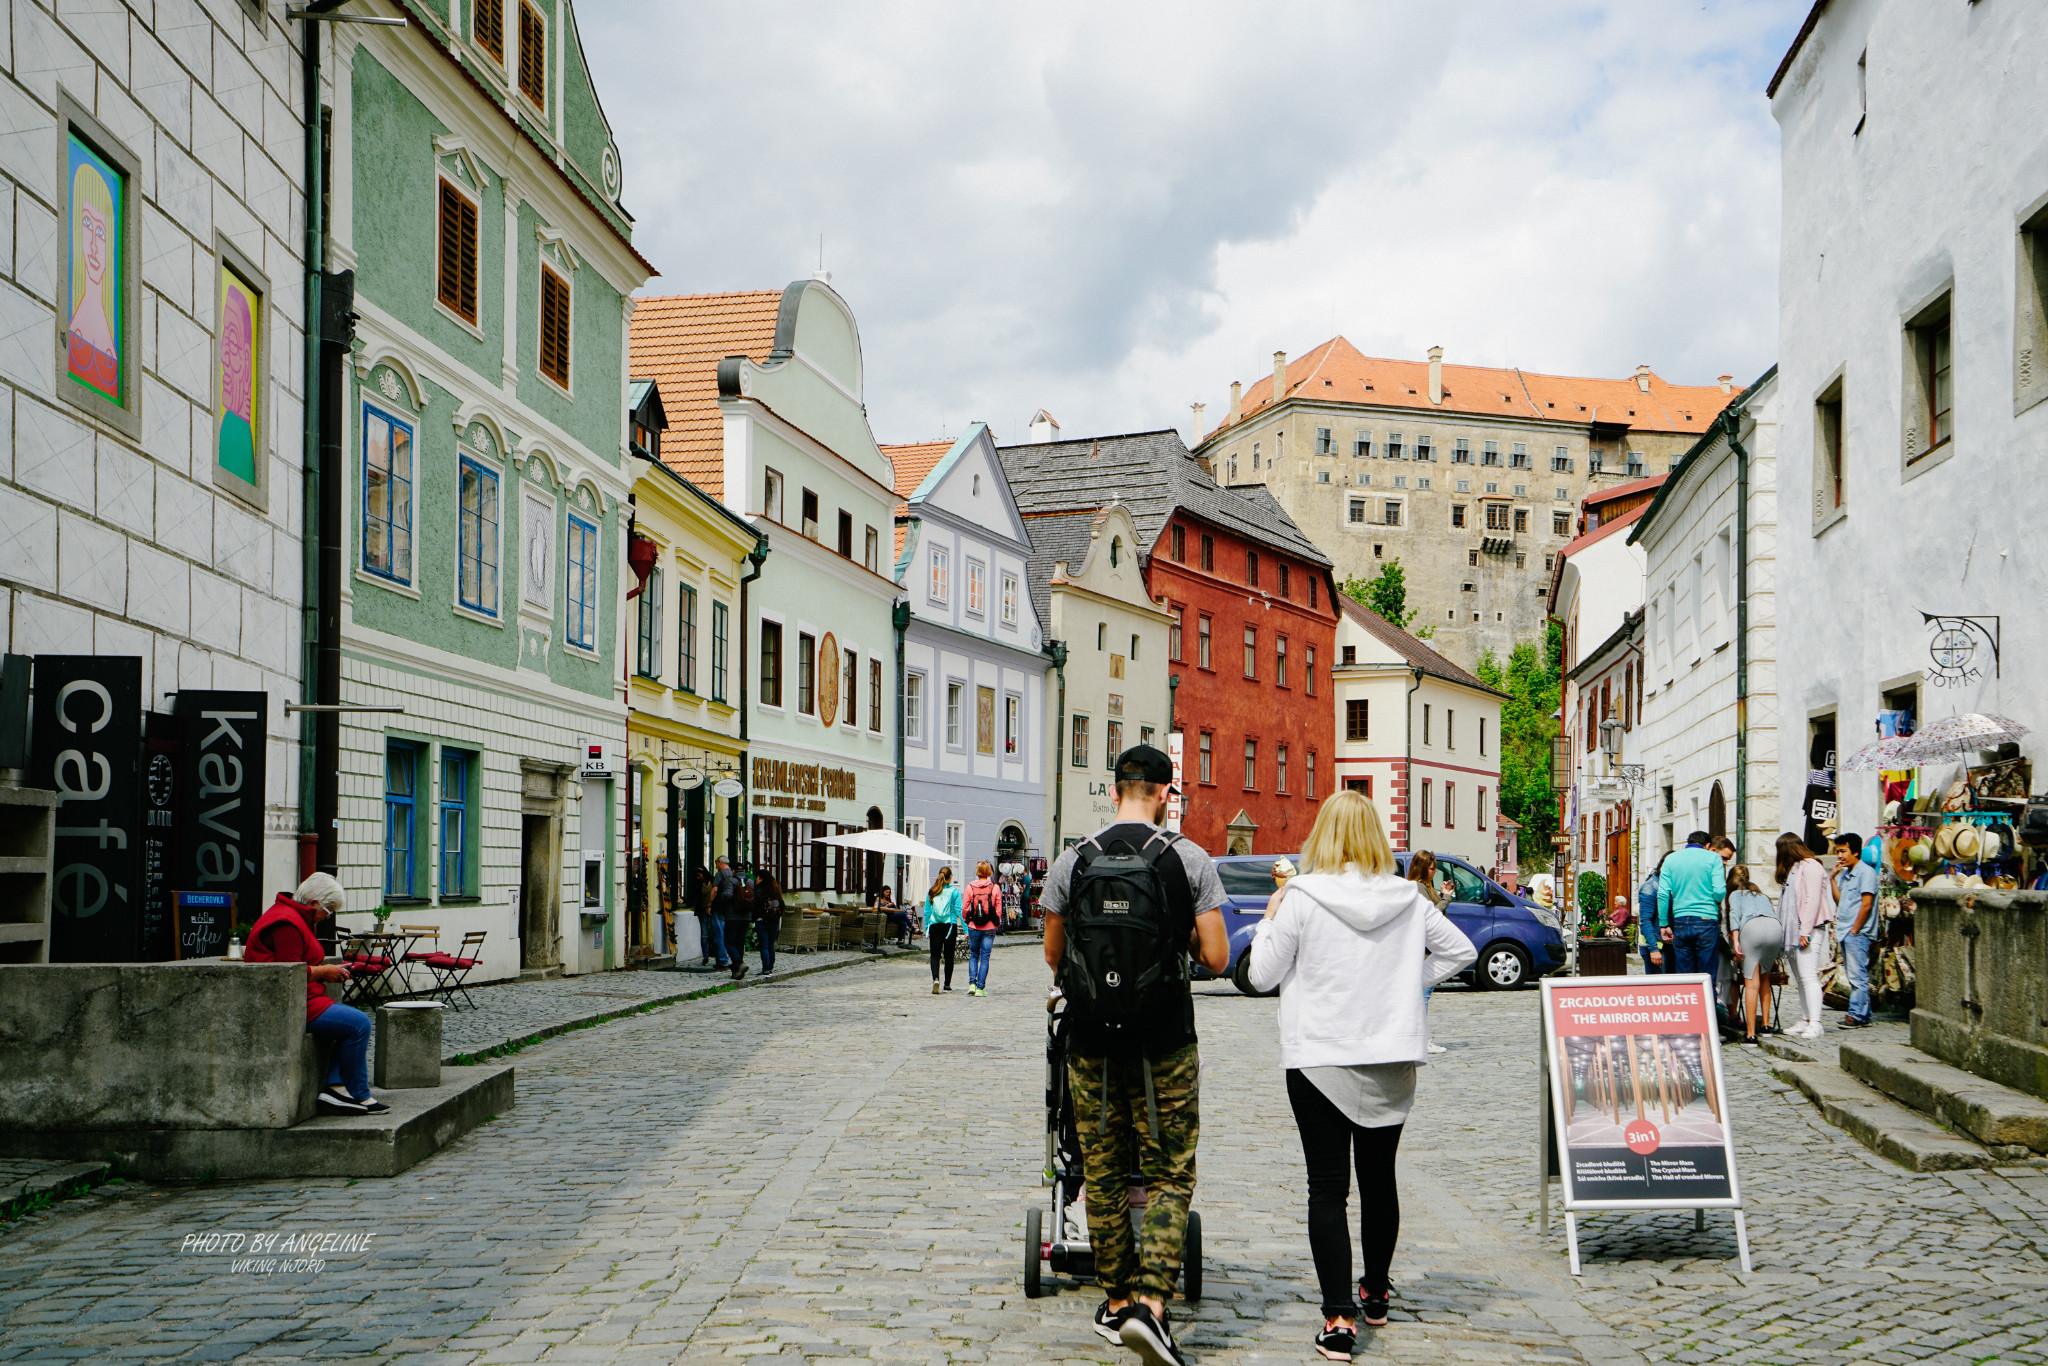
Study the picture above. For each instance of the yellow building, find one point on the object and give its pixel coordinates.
(686, 690)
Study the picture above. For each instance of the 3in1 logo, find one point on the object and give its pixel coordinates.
(1641, 1137)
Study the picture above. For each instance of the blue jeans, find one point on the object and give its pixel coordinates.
(980, 943)
(728, 939)
(1648, 945)
(347, 1031)
(1698, 941)
(1856, 958)
(707, 936)
(767, 932)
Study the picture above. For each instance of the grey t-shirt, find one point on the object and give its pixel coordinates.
(1203, 879)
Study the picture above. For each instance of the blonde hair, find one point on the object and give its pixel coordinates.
(944, 880)
(1348, 830)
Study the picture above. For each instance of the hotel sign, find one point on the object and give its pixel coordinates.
(800, 787)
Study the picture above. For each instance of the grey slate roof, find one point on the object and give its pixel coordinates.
(1061, 537)
(1152, 474)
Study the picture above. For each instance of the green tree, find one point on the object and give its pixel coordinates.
(1532, 679)
(1593, 898)
(1386, 594)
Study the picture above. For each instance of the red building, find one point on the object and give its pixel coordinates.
(1257, 620)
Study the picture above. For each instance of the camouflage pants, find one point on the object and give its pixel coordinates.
(1111, 1151)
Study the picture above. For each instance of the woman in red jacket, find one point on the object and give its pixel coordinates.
(284, 934)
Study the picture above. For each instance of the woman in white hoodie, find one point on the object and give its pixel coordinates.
(1352, 946)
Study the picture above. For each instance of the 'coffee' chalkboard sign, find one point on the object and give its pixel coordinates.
(203, 920)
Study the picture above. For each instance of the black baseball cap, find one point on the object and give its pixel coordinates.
(1144, 764)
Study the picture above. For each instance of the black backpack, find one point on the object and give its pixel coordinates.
(1125, 964)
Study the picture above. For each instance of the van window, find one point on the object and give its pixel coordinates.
(1468, 884)
(1253, 877)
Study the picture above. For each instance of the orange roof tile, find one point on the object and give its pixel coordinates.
(678, 340)
(913, 462)
(1336, 372)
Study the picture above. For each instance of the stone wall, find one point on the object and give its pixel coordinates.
(1981, 959)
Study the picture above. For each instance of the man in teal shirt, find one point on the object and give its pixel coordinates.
(1690, 889)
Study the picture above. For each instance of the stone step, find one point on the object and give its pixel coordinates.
(1884, 1126)
(19, 1188)
(1997, 1116)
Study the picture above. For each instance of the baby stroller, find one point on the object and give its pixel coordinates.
(1067, 1251)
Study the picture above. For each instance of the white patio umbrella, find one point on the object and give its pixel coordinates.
(1965, 734)
(887, 842)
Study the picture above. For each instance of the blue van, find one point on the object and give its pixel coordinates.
(1517, 940)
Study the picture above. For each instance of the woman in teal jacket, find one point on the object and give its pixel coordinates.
(942, 923)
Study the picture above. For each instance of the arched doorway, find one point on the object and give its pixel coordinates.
(871, 884)
(1717, 811)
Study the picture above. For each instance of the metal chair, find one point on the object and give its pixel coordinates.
(451, 969)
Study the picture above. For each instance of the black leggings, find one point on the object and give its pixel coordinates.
(1328, 1139)
(942, 938)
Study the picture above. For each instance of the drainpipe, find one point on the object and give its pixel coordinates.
(754, 558)
(1058, 650)
(1408, 762)
(899, 617)
(1731, 423)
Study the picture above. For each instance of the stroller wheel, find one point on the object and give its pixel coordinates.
(1034, 1248)
(1191, 1259)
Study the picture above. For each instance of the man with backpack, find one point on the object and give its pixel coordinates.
(981, 906)
(1123, 910)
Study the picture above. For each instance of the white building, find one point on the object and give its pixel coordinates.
(1913, 342)
(1709, 700)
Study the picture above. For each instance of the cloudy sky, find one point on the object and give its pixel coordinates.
(1112, 210)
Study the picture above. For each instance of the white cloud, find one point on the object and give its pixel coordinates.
(1111, 210)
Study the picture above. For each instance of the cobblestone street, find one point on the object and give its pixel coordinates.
(837, 1166)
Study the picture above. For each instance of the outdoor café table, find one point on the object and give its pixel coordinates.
(375, 960)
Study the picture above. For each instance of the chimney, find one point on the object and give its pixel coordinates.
(1043, 428)
(1199, 409)
(1236, 400)
(1436, 374)
(1279, 375)
(1727, 384)
(1643, 378)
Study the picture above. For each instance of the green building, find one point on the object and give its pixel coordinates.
(475, 193)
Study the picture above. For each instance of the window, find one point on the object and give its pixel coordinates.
(455, 254)
(1393, 446)
(1519, 457)
(1357, 718)
(1393, 513)
(1177, 542)
(456, 766)
(686, 640)
(977, 588)
(1255, 455)
(1461, 452)
(956, 703)
(1251, 567)
(873, 552)
(488, 27)
(1080, 741)
(554, 325)
(1112, 743)
(1324, 446)
(1450, 727)
(1280, 770)
(1450, 806)
(1496, 516)
(401, 812)
(809, 526)
(1251, 652)
(1009, 599)
(956, 848)
(1423, 449)
(1361, 444)
(1490, 453)
(1280, 661)
(1144, 735)
(1202, 642)
(1561, 461)
(582, 585)
(1930, 384)
(1208, 551)
(1173, 635)
(1013, 717)
(1457, 514)
(1350, 655)
(1101, 635)
(1827, 450)
(1311, 790)
(1314, 592)
(1560, 524)
(1426, 794)
(2030, 313)
(771, 663)
(1561, 494)
(1422, 484)
(477, 538)
(1594, 463)
(1308, 671)
(533, 54)
(940, 561)
(1134, 649)
(719, 630)
(1356, 514)
(1521, 521)
(806, 680)
(1425, 723)
(1635, 465)
(1482, 737)
(875, 696)
(913, 706)
(846, 533)
(1251, 763)
(647, 660)
(1468, 587)
(387, 495)
(1205, 754)
(1471, 557)
(849, 687)
(1479, 810)
(771, 496)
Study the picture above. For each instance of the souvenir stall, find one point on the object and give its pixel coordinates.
(1947, 823)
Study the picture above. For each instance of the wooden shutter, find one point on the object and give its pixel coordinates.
(489, 27)
(533, 55)
(554, 327)
(457, 252)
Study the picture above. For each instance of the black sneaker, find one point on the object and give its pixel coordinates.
(341, 1105)
(1336, 1342)
(1109, 1321)
(1373, 1306)
(739, 970)
(376, 1107)
(1146, 1334)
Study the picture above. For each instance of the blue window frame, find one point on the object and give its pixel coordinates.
(387, 495)
(456, 767)
(401, 810)
(478, 538)
(582, 586)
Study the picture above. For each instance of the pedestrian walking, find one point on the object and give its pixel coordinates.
(707, 892)
(1691, 886)
(1649, 938)
(1122, 908)
(981, 907)
(942, 924)
(1856, 918)
(725, 889)
(1759, 940)
(1352, 948)
(1422, 872)
(767, 917)
(286, 933)
(1803, 906)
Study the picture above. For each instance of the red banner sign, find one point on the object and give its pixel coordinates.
(1579, 1011)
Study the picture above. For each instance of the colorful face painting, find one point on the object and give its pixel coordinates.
(241, 308)
(94, 215)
